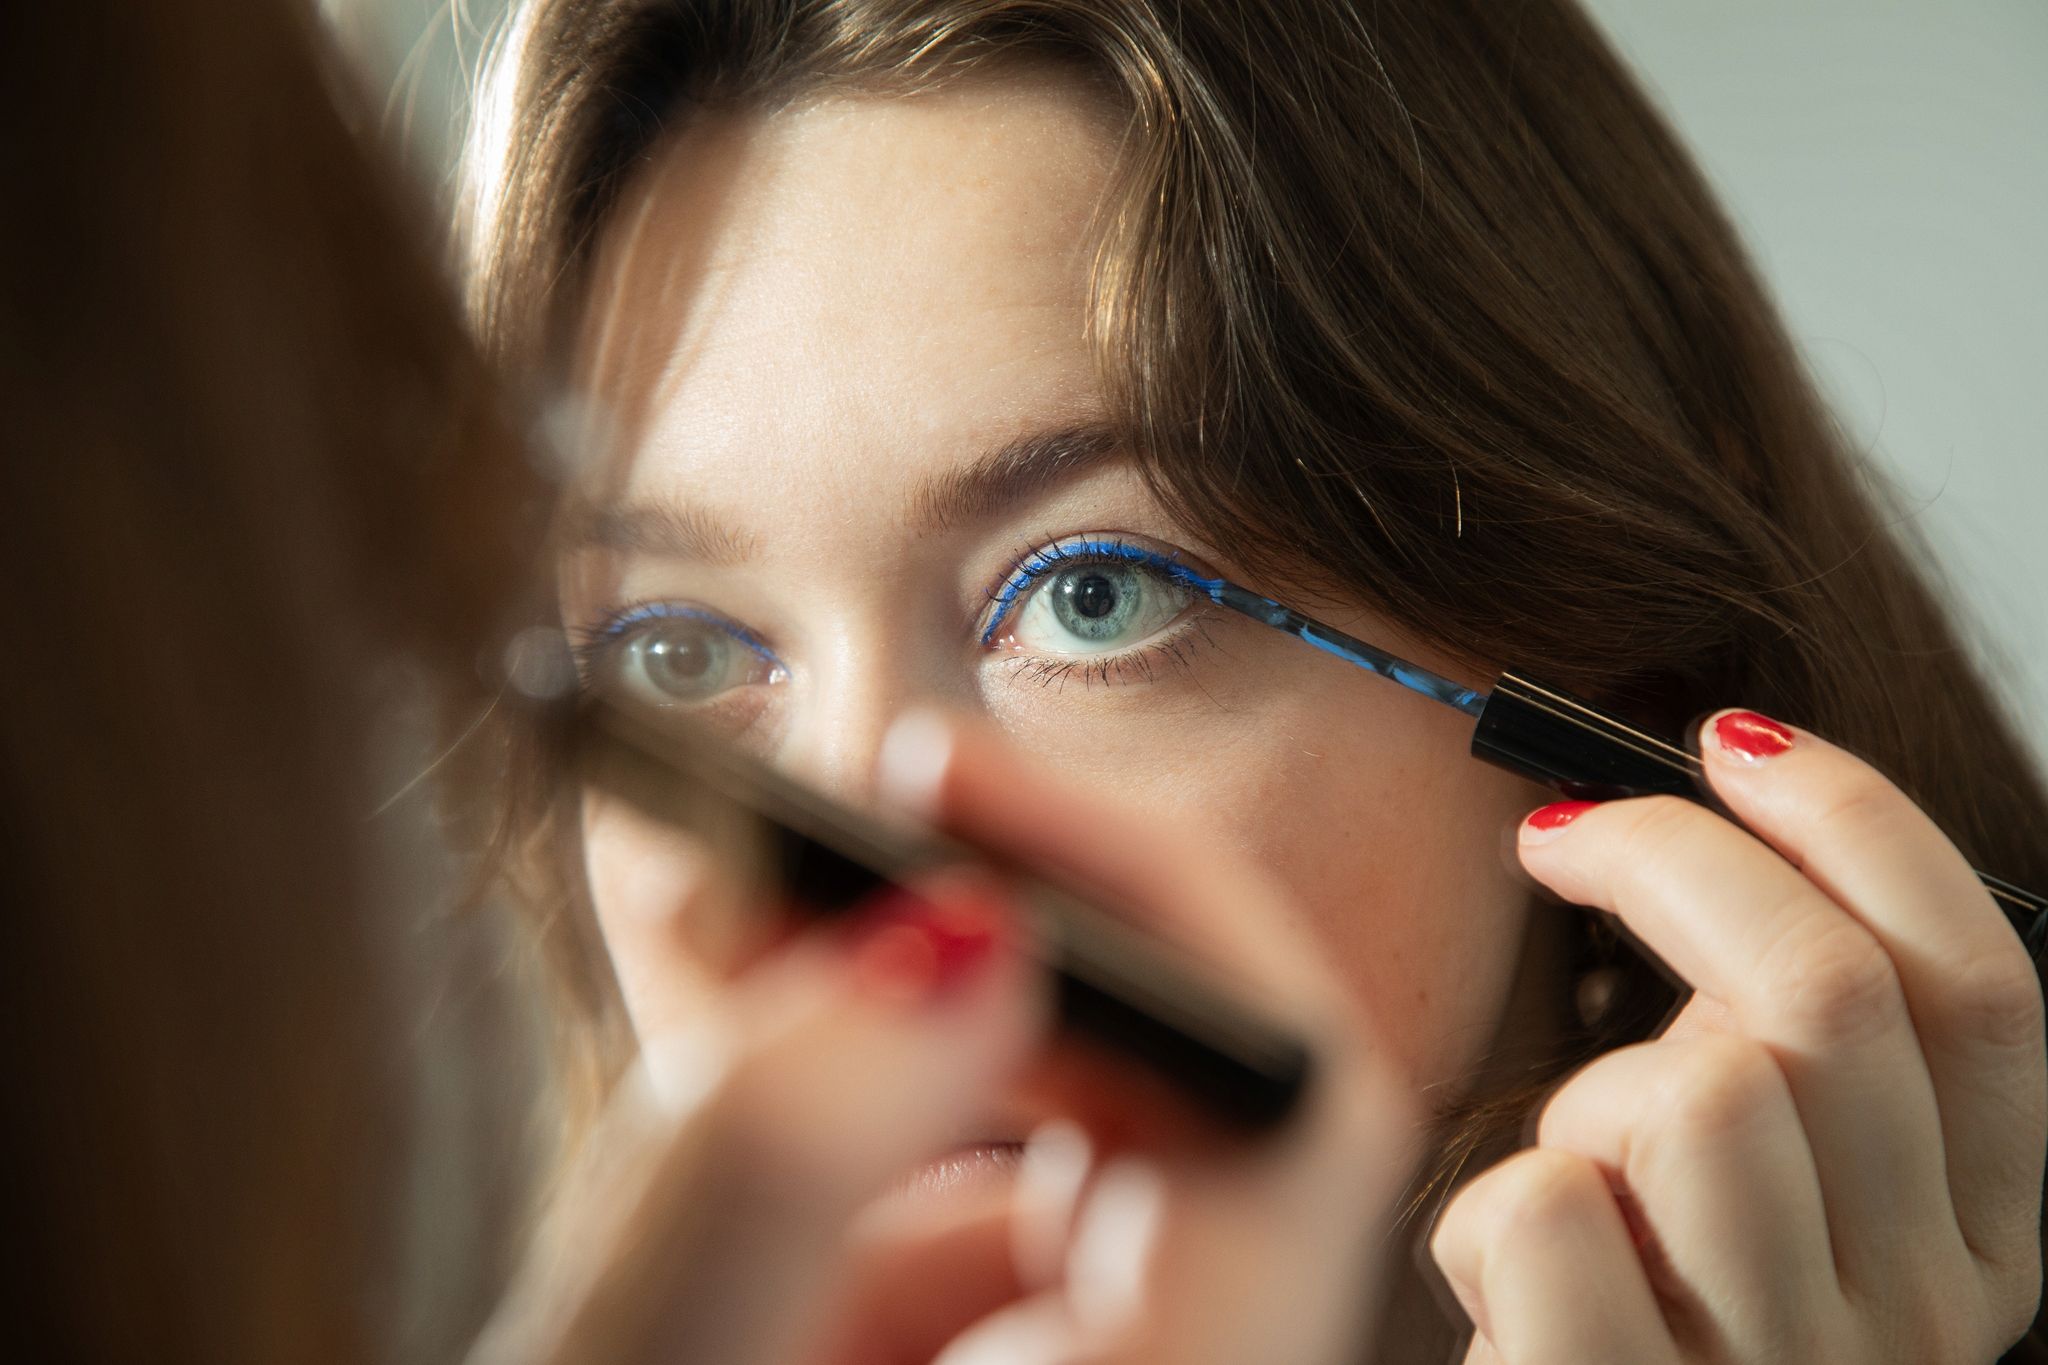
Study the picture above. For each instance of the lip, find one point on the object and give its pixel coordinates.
(970, 1166)
(930, 1257)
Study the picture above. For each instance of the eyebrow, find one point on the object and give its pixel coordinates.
(1009, 473)
(659, 529)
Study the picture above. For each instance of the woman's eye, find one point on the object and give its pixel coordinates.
(1095, 608)
(684, 660)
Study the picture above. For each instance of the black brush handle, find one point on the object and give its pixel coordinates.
(1565, 742)
(1119, 987)
(1574, 746)
(1114, 984)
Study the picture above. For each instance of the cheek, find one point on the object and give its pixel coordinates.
(1389, 838)
(673, 928)
(1425, 919)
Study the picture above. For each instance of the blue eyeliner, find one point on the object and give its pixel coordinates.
(1040, 563)
(626, 621)
(1349, 648)
(1243, 601)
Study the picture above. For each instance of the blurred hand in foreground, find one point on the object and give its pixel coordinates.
(735, 1204)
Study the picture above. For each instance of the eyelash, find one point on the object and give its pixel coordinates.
(592, 645)
(1036, 563)
(1174, 650)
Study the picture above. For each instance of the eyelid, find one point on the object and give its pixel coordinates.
(615, 624)
(1085, 549)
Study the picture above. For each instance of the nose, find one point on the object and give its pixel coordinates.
(846, 705)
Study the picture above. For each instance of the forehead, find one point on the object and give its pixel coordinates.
(878, 279)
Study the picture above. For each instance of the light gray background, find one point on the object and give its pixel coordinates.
(1888, 163)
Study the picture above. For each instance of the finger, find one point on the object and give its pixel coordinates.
(1701, 1016)
(1801, 976)
(1538, 1253)
(918, 1274)
(921, 1274)
(1036, 1331)
(1704, 1138)
(706, 1219)
(1051, 1179)
(1097, 1316)
(1132, 1295)
(1971, 988)
(1482, 1352)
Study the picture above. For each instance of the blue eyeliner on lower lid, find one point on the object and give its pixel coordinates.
(670, 611)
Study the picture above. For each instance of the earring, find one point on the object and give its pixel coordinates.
(1594, 994)
(1600, 980)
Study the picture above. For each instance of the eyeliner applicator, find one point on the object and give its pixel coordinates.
(1547, 734)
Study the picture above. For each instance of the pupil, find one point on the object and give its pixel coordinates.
(679, 661)
(1093, 597)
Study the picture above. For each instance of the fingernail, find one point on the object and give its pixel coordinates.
(680, 1067)
(913, 758)
(1747, 736)
(1112, 1255)
(1033, 1331)
(910, 948)
(1547, 822)
(1049, 1183)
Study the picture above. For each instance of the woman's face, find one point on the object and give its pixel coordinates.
(840, 349)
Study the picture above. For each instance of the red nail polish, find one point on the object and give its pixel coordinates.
(910, 947)
(1750, 737)
(1548, 820)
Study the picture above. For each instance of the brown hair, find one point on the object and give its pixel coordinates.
(1420, 300)
(250, 455)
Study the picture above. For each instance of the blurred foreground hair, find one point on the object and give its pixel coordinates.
(249, 459)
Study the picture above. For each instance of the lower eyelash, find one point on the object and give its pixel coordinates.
(589, 648)
(1143, 664)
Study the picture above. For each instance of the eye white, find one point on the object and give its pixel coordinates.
(1096, 608)
(685, 661)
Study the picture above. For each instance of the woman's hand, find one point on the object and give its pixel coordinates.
(726, 1210)
(1835, 1153)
